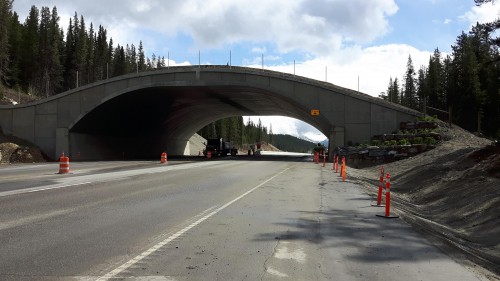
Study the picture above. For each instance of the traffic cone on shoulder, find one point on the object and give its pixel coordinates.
(336, 164)
(380, 188)
(387, 214)
(344, 172)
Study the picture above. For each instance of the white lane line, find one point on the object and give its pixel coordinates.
(156, 247)
(106, 177)
(37, 189)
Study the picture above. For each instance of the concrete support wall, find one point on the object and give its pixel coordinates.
(23, 123)
(335, 139)
(62, 142)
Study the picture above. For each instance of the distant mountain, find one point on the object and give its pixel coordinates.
(292, 144)
(324, 142)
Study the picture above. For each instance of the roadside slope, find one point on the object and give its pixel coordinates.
(451, 192)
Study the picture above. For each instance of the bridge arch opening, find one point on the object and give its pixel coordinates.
(141, 123)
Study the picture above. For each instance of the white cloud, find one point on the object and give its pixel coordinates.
(482, 14)
(313, 26)
(373, 65)
(259, 50)
(447, 21)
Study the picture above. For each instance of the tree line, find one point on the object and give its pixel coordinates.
(38, 58)
(464, 83)
(234, 129)
(291, 143)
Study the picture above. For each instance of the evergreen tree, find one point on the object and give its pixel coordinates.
(395, 94)
(259, 131)
(81, 51)
(491, 27)
(70, 64)
(119, 62)
(89, 60)
(5, 16)
(110, 59)
(468, 97)
(141, 57)
(212, 132)
(29, 61)
(133, 61)
(409, 91)
(101, 60)
(12, 77)
(422, 88)
(389, 90)
(392, 93)
(435, 81)
(486, 53)
(56, 51)
(48, 78)
(44, 53)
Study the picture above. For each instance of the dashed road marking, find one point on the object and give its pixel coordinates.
(39, 188)
(156, 247)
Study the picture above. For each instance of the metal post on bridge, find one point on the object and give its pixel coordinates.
(262, 62)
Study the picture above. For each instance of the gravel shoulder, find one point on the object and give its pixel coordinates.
(451, 194)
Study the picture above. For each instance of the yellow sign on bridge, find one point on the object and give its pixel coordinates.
(315, 112)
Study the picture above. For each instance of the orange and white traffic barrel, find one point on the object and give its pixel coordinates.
(63, 164)
(163, 159)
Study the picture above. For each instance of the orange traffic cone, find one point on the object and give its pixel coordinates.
(336, 164)
(388, 199)
(344, 172)
(380, 188)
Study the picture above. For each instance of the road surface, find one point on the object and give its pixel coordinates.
(234, 219)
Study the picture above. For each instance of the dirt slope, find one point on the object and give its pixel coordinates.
(16, 150)
(451, 193)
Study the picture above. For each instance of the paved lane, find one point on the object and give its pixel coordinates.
(222, 220)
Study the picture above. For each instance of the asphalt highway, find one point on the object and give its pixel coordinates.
(235, 219)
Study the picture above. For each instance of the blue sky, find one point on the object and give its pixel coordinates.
(369, 39)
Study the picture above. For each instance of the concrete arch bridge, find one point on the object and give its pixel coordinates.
(142, 114)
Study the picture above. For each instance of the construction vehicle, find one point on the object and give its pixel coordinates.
(218, 147)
